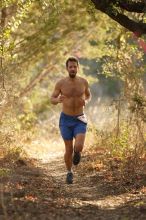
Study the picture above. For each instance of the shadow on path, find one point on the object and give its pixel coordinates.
(37, 191)
(90, 196)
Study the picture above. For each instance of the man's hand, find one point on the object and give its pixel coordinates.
(82, 102)
(61, 98)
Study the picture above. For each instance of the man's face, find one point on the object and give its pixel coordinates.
(72, 68)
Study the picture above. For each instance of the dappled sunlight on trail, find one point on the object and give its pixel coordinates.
(93, 194)
(90, 196)
(45, 150)
(40, 191)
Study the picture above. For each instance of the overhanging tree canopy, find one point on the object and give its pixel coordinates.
(116, 8)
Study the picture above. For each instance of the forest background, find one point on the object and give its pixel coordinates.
(36, 39)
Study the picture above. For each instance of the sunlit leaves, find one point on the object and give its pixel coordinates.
(6, 3)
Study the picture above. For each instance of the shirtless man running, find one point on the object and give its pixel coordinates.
(73, 92)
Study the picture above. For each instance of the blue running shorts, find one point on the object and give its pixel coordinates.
(70, 126)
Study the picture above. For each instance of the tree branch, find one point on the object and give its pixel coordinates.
(36, 80)
(133, 26)
(138, 7)
(106, 6)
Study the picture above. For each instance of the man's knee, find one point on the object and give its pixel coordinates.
(68, 151)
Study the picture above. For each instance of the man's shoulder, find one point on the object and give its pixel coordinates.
(61, 81)
(83, 80)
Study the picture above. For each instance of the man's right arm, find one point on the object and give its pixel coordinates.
(55, 95)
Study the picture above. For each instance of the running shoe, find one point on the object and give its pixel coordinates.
(76, 158)
(69, 178)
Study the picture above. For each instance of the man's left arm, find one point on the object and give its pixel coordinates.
(87, 93)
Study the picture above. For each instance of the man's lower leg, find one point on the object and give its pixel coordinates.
(77, 155)
(68, 162)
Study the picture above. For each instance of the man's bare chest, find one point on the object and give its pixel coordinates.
(73, 90)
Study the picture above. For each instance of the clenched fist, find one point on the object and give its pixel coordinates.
(61, 98)
(82, 102)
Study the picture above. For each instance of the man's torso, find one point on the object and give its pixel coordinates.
(74, 92)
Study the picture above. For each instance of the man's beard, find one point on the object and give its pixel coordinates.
(72, 75)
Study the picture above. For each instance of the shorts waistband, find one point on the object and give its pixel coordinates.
(71, 116)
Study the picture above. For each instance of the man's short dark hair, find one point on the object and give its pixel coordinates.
(72, 59)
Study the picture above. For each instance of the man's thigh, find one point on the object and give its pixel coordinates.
(66, 132)
(79, 133)
(79, 141)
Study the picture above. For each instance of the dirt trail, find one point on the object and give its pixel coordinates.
(40, 193)
(89, 197)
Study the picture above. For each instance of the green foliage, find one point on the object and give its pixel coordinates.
(27, 120)
(4, 172)
(14, 154)
(139, 100)
(40, 35)
(119, 145)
